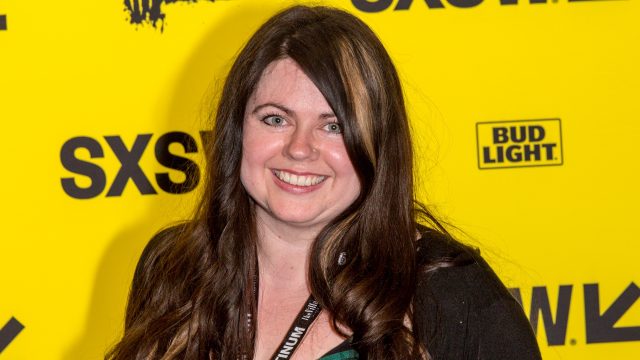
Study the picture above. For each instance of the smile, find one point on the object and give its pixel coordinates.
(298, 180)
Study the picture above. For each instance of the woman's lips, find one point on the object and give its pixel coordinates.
(298, 179)
(297, 182)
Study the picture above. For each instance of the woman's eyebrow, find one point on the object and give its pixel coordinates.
(276, 105)
(287, 111)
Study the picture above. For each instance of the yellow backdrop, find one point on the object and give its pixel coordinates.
(525, 115)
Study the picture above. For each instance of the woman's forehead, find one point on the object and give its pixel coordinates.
(281, 76)
(284, 82)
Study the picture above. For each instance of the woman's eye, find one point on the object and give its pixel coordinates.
(273, 120)
(334, 128)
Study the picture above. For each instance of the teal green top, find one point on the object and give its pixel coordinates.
(343, 355)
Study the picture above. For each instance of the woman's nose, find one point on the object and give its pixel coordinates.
(301, 145)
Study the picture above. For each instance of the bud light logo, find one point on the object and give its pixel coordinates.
(507, 144)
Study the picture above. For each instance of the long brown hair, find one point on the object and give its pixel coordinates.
(192, 293)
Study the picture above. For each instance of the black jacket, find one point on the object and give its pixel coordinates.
(464, 311)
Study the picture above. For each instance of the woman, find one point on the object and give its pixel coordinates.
(309, 205)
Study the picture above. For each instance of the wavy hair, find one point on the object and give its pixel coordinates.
(192, 295)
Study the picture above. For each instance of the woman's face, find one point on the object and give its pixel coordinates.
(294, 161)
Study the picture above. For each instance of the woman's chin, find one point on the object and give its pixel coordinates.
(298, 219)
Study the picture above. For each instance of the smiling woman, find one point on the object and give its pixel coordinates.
(308, 242)
(294, 163)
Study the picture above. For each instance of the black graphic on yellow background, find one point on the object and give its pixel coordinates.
(150, 10)
(601, 324)
(507, 144)
(9, 332)
(382, 5)
(600, 320)
(3, 21)
(129, 158)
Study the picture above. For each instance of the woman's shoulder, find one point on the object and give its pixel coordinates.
(455, 270)
(462, 309)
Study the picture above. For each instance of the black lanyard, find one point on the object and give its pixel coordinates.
(301, 324)
(298, 329)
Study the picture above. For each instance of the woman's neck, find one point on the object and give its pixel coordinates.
(283, 256)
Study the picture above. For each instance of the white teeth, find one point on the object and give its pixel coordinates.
(299, 180)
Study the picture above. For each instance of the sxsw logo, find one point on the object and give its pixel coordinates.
(374, 6)
(73, 157)
(600, 318)
(508, 144)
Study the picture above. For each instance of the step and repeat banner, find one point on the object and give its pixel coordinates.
(525, 115)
